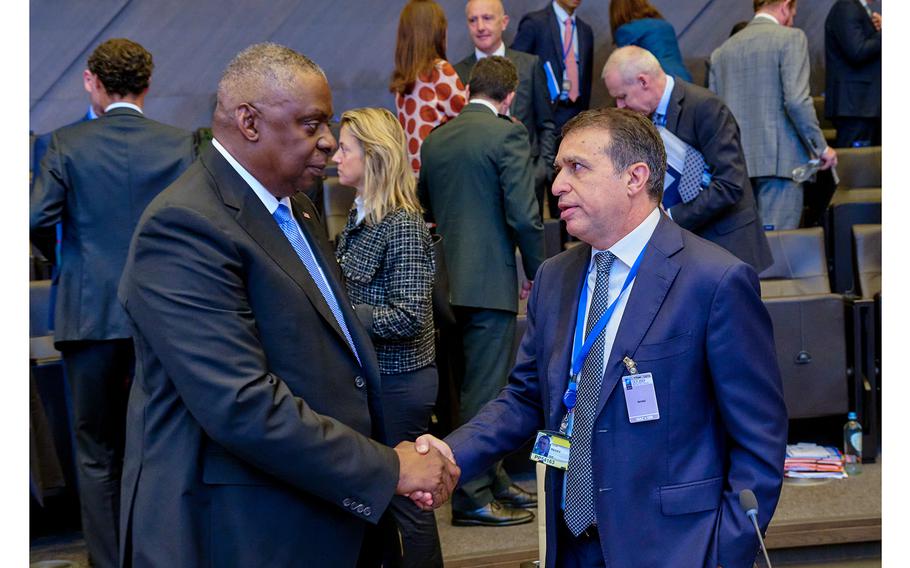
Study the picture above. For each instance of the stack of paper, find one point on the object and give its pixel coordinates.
(812, 461)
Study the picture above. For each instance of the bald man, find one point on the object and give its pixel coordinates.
(724, 212)
(487, 21)
(255, 429)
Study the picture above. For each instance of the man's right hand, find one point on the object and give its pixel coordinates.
(429, 474)
(828, 159)
(877, 21)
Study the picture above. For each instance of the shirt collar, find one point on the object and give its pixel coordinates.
(629, 247)
(270, 201)
(122, 104)
(485, 103)
(361, 208)
(665, 98)
(91, 113)
(561, 14)
(500, 51)
(766, 16)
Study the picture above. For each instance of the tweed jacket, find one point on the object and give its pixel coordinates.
(762, 73)
(388, 273)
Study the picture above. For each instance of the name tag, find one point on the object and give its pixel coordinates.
(552, 449)
(641, 400)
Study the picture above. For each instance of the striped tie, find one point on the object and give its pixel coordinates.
(289, 227)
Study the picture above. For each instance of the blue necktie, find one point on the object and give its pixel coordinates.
(283, 216)
(659, 119)
(579, 513)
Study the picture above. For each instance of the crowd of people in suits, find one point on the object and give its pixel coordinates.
(235, 373)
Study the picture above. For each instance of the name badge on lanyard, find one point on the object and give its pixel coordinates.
(563, 438)
(641, 400)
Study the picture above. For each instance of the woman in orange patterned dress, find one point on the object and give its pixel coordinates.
(427, 89)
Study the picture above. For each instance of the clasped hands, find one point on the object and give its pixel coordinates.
(427, 471)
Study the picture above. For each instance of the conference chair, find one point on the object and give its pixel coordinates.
(867, 241)
(858, 200)
(337, 200)
(809, 324)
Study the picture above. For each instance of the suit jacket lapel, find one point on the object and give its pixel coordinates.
(561, 359)
(655, 276)
(254, 218)
(674, 107)
(556, 32)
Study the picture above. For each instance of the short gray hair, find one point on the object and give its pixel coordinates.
(258, 66)
(630, 61)
(633, 138)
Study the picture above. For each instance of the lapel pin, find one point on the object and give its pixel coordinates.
(306, 215)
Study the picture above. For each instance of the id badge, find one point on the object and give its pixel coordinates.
(551, 448)
(641, 400)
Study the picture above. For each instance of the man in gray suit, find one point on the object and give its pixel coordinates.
(531, 105)
(96, 178)
(476, 183)
(724, 212)
(762, 73)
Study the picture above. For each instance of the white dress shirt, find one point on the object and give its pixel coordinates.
(626, 250)
(122, 104)
(268, 200)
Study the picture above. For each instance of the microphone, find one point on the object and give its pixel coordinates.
(749, 504)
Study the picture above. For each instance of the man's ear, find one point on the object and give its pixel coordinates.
(246, 117)
(507, 102)
(87, 80)
(638, 176)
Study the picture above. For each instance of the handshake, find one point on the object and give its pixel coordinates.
(427, 471)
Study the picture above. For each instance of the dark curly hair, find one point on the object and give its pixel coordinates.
(123, 66)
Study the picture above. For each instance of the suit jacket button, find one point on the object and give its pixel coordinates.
(367, 511)
(359, 508)
(346, 502)
(359, 382)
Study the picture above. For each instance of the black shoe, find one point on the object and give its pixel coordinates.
(516, 497)
(492, 515)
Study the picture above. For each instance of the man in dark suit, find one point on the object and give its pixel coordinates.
(725, 211)
(255, 419)
(96, 178)
(476, 183)
(853, 73)
(531, 105)
(548, 33)
(677, 401)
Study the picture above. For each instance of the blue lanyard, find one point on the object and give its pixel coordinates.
(582, 350)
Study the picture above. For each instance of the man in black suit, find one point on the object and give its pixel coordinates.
(476, 183)
(544, 34)
(255, 424)
(724, 212)
(96, 178)
(531, 105)
(853, 73)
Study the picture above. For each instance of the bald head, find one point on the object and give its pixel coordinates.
(634, 78)
(486, 22)
(631, 61)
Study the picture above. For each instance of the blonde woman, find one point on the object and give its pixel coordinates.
(385, 253)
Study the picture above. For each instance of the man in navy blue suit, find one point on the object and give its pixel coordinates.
(655, 465)
(543, 33)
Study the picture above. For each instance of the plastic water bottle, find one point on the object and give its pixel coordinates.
(853, 446)
(805, 172)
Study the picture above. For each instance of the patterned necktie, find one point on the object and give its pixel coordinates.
(579, 512)
(659, 119)
(283, 216)
(571, 64)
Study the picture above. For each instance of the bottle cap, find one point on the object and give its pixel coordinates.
(851, 416)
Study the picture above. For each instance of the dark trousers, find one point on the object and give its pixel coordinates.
(412, 540)
(99, 374)
(582, 551)
(487, 337)
(864, 131)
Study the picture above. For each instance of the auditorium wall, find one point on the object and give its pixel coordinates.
(353, 40)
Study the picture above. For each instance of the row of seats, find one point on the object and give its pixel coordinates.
(827, 343)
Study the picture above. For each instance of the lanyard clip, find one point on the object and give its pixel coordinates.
(630, 365)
